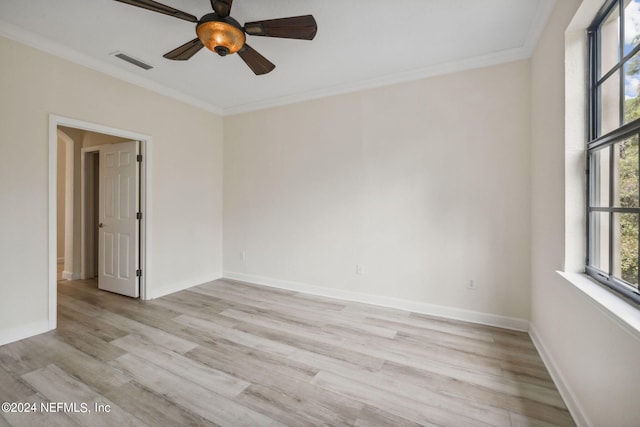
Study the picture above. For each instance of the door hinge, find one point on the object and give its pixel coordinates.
(138, 273)
(139, 157)
(139, 215)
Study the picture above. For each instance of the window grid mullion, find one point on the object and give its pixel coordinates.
(638, 216)
(608, 74)
(592, 128)
(611, 213)
(615, 210)
(594, 41)
(620, 61)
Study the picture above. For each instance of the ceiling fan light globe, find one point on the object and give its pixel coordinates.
(221, 37)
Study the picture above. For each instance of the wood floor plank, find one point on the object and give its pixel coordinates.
(270, 296)
(473, 345)
(518, 420)
(398, 405)
(231, 353)
(547, 396)
(97, 375)
(352, 340)
(236, 336)
(462, 325)
(59, 387)
(301, 403)
(414, 350)
(374, 417)
(194, 397)
(267, 294)
(250, 288)
(470, 391)
(264, 402)
(13, 389)
(153, 408)
(305, 319)
(23, 356)
(192, 303)
(319, 342)
(74, 334)
(329, 363)
(155, 335)
(207, 377)
(525, 372)
(70, 317)
(413, 326)
(254, 366)
(422, 389)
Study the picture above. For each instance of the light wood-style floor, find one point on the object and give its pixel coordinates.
(233, 354)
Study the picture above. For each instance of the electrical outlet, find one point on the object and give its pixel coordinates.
(243, 255)
(471, 284)
(359, 269)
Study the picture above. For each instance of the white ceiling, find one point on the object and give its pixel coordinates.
(359, 44)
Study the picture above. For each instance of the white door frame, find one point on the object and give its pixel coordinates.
(67, 272)
(145, 202)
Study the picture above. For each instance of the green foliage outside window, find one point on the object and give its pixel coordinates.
(628, 188)
(628, 193)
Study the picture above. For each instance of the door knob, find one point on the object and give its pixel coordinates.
(100, 225)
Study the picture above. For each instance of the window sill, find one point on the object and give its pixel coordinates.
(621, 311)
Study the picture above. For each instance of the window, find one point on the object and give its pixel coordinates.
(612, 149)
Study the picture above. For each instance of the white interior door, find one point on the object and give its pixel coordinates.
(118, 233)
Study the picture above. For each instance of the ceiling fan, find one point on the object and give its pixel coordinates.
(223, 35)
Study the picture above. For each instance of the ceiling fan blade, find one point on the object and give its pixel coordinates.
(296, 27)
(185, 51)
(222, 7)
(258, 63)
(161, 8)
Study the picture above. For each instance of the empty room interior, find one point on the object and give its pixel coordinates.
(420, 212)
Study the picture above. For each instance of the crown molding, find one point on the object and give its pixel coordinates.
(35, 41)
(541, 16)
(543, 11)
(388, 80)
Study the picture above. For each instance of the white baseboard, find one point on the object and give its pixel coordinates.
(569, 398)
(414, 306)
(25, 331)
(68, 275)
(157, 293)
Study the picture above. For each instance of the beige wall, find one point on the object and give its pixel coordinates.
(594, 355)
(425, 184)
(185, 177)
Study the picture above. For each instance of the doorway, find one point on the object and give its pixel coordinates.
(82, 141)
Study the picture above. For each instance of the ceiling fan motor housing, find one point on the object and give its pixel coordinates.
(222, 35)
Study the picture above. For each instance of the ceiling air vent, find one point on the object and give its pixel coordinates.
(132, 60)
